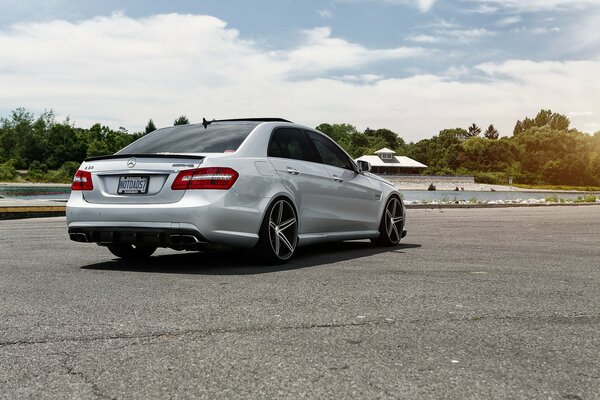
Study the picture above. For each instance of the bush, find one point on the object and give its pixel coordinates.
(37, 172)
(8, 172)
(588, 198)
(492, 178)
(438, 171)
(64, 174)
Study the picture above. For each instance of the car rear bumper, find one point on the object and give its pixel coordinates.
(159, 237)
(193, 221)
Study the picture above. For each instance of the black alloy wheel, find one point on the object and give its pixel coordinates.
(279, 232)
(392, 223)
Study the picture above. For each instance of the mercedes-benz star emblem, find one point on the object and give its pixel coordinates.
(131, 162)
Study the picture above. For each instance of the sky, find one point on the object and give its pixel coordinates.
(413, 66)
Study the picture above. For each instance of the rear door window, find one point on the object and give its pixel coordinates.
(291, 143)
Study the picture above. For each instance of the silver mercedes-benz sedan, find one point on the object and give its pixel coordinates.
(265, 183)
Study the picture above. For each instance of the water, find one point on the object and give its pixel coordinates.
(62, 193)
(468, 195)
(36, 192)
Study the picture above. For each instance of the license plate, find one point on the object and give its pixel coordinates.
(133, 185)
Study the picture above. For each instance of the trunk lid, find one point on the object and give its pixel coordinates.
(137, 178)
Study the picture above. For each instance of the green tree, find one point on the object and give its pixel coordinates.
(150, 127)
(64, 144)
(491, 133)
(341, 133)
(543, 118)
(326, 129)
(182, 120)
(440, 153)
(390, 138)
(554, 156)
(20, 135)
(473, 131)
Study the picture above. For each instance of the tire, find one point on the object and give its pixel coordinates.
(132, 252)
(392, 223)
(278, 236)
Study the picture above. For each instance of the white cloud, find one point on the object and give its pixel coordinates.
(425, 5)
(445, 32)
(465, 35)
(537, 5)
(584, 37)
(457, 71)
(122, 71)
(537, 31)
(422, 5)
(364, 78)
(483, 9)
(325, 13)
(544, 31)
(321, 52)
(509, 20)
(440, 23)
(423, 39)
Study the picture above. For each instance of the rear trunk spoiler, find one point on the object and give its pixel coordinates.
(146, 155)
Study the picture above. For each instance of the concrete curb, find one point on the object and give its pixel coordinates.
(18, 212)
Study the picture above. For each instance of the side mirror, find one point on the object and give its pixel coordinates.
(363, 166)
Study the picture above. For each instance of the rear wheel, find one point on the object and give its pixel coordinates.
(392, 224)
(132, 252)
(278, 235)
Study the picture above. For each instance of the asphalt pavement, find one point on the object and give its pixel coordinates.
(474, 304)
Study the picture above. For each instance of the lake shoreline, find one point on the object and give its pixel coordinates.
(440, 186)
(476, 187)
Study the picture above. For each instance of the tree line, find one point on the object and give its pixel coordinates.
(51, 151)
(542, 149)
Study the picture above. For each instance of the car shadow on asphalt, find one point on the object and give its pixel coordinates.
(236, 262)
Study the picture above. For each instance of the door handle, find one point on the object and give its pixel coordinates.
(337, 179)
(293, 171)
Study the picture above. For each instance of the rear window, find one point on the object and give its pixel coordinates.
(218, 137)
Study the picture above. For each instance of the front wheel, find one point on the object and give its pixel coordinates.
(131, 252)
(391, 227)
(278, 235)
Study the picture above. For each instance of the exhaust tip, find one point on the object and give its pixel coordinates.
(184, 240)
(79, 237)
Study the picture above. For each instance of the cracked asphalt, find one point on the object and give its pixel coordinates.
(475, 303)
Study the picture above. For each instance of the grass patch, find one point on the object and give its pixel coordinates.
(588, 198)
(559, 187)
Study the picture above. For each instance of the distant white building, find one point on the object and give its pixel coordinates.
(386, 162)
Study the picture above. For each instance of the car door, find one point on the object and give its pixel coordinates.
(356, 201)
(295, 161)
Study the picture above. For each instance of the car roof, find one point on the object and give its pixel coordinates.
(251, 119)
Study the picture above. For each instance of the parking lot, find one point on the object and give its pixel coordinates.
(475, 303)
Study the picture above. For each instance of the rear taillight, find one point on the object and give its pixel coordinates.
(82, 181)
(205, 178)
